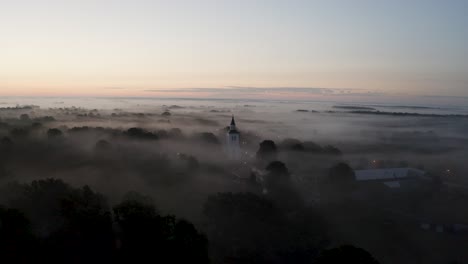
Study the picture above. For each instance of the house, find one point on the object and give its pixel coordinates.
(392, 178)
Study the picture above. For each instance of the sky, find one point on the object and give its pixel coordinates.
(176, 48)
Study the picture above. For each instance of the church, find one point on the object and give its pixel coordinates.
(233, 141)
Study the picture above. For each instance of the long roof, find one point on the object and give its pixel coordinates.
(387, 174)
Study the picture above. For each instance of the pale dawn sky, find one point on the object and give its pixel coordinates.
(137, 47)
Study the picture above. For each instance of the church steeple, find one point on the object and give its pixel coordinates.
(233, 124)
(233, 141)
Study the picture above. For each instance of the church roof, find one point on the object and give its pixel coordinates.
(232, 127)
(387, 174)
(233, 122)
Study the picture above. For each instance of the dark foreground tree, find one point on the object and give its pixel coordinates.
(73, 224)
(17, 243)
(246, 228)
(86, 235)
(280, 187)
(346, 254)
(143, 235)
(341, 180)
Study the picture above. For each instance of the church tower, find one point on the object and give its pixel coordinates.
(233, 141)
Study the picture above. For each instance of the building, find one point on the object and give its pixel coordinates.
(391, 177)
(233, 141)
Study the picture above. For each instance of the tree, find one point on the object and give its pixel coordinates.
(207, 137)
(332, 150)
(175, 133)
(25, 117)
(162, 134)
(437, 182)
(6, 143)
(278, 168)
(74, 224)
(40, 201)
(191, 163)
(280, 188)
(292, 144)
(36, 125)
(17, 243)
(267, 151)
(103, 145)
(139, 133)
(340, 183)
(20, 132)
(313, 147)
(144, 234)
(247, 228)
(242, 227)
(86, 235)
(346, 254)
(192, 244)
(342, 175)
(54, 133)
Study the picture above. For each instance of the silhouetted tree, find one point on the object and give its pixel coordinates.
(207, 137)
(280, 187)
(267, 151)
(341, 181)
(86, 235)
(437, 183)
(103, 145)
(6, 144)
(346, 254)
(19, 133)
(17, 243)
(332, 150)
(54, 133)
(292, 144)
(36, 125)
(242, 227)
(139, 133)
(144, 234)
(162, 134)
(175, 133)
(312, 147)
(246, 228)
(24, 117)
(74, 224)
(191, 162)
(45, 119)
(342, 174)
(187, 244)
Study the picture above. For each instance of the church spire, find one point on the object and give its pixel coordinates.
(233, 122)
(233, 141)
(232, 127)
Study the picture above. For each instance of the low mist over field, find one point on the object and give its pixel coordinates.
(302, 159)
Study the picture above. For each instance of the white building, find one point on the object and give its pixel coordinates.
(390, 177)
(233, 141)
